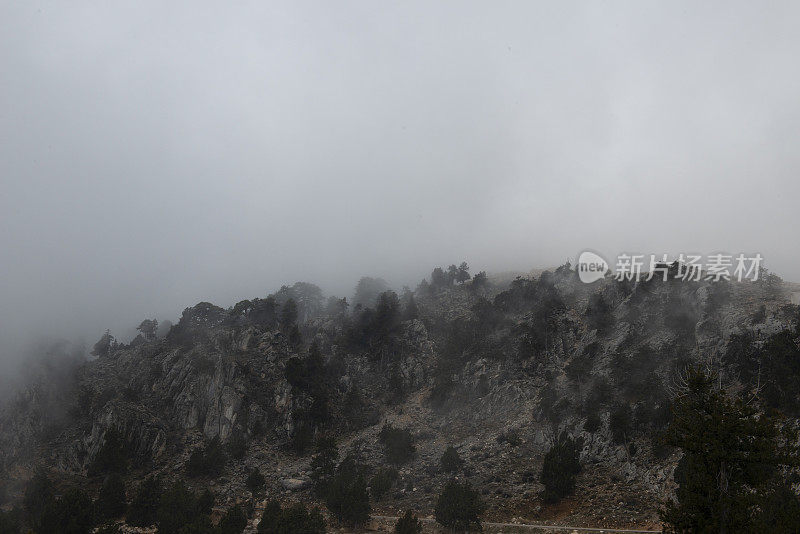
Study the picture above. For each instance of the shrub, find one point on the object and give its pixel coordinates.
(398, 444)
(408, 524)
(347, 497)
(511, 437)
(459, 506)
(111, 502)
(559, 469)
(451, 461)
(255, 481)
(382, 482)
(143, 507)
(291, 520)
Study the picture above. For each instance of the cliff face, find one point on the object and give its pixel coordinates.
(496, 372)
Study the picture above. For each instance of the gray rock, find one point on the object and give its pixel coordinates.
(294, 484)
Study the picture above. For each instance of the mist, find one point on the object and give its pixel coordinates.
(156, 155)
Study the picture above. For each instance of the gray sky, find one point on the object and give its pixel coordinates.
(155, 154)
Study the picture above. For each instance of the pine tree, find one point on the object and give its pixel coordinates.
(294, 519)
(255, 481)
(288, 315)
(112, 456)
(398, 444)
(459, 506)
(462, 275)
(382, 481)
(177, 508)
(560, 467)
(233, 522)
(103, 346)
(411, 310)
(408, 524)
(730, 473)
(451, 461)
(38, 496)
(72, 513)
(347, 497)
(143, 507)
(111, 501)
(323, 464)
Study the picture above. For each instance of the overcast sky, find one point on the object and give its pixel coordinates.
(156, 154)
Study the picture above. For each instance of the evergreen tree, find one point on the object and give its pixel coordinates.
(347, 497)
(559, 469)
(143, 507)
(398, 444)
(111, 502)
(148, 328)
(323, 464)
(288, 315)
(177, 508)
(411, 310)
(207, 461)
(382, 482)
(593, 423)
(10, 521)
(233, 522)
(438, 278)
(291, 520)
(620, 423)
(599, 313)
(103, 346)
(112, 456)
(237, 445)
(255, 481)
(206, 501)
(480, 280)
(408, 524)
(459, 506)
(72, 513)
(729, 479)
(452, 274)
(451, 461)
(38, 496)
(462, 275)
(367, 291)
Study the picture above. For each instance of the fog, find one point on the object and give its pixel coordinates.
(153, 155)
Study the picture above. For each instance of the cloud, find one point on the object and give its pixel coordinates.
(152, 155)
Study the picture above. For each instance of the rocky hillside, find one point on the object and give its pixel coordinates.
(498, 371)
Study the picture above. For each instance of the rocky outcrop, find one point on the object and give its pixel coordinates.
(514, 373)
